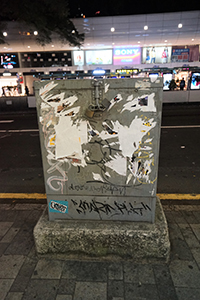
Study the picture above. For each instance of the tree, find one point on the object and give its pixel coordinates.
(44, 16)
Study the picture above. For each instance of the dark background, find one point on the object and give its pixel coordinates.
(128, 7)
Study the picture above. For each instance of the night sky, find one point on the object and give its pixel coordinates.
(94, 8)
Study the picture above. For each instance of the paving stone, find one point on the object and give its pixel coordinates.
(20, 217)
(32, 254)
(7, 215)
(66, 286)
(117, 298)
(5, 285)
(189, 236)
(34, 216)
(175, 232)
(115, 271)
(169, 216)
(11, 233)
(196, 255)
(188, 294)
(20, 283)
(146, 274)
(180, 250)
(90, 291)
(64, 297)
(85, 270)
(28, 267)
(49, 269)
(144, 291)
(26, 206)
(115, 289)
(197, 215)
(41, 289)
(178, 217)
(163, 280)
(3, 247)
(189, 216)
(22, 242)
(196, 229)
(10, 265)
(185, 273)
(4, 227)
(14, 296)
(130, 272)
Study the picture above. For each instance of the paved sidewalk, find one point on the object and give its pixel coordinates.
(24, 276)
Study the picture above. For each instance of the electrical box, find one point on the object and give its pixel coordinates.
(100, 147)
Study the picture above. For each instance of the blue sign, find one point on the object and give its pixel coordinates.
(180, 55)
(180, 51)
(58, 206)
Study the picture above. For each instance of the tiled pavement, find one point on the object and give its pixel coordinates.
(24, 276)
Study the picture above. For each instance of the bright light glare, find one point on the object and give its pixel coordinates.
(6, 74)
(99, 72)
(146, 27)
(112, 29)
(35, 32)
(180, 25)
(5, 33)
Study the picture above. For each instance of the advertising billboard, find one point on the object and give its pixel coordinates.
(180, 55)
(152, 55)
(166, 81)
(9, 60)
(78, 58)
(195, 81)
(127, 56)
(98, 57)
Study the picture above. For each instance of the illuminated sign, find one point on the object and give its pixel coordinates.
(127, 71)
(78, 58)
(99, 72)
(126, 56)
(180, 55)
(156, 55)
(99, 57)
(9, 61)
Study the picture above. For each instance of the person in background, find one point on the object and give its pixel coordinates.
(182, 84)
(26, 90)
(153, 55)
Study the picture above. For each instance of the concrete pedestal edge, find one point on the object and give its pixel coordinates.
(103, 239)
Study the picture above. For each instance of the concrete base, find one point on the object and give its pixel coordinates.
(101, 239)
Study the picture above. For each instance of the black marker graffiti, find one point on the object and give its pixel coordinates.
(117, 208)
(103, 188)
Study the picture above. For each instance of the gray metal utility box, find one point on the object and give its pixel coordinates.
(100, 146)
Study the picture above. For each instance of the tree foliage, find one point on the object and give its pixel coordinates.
(45, 16)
